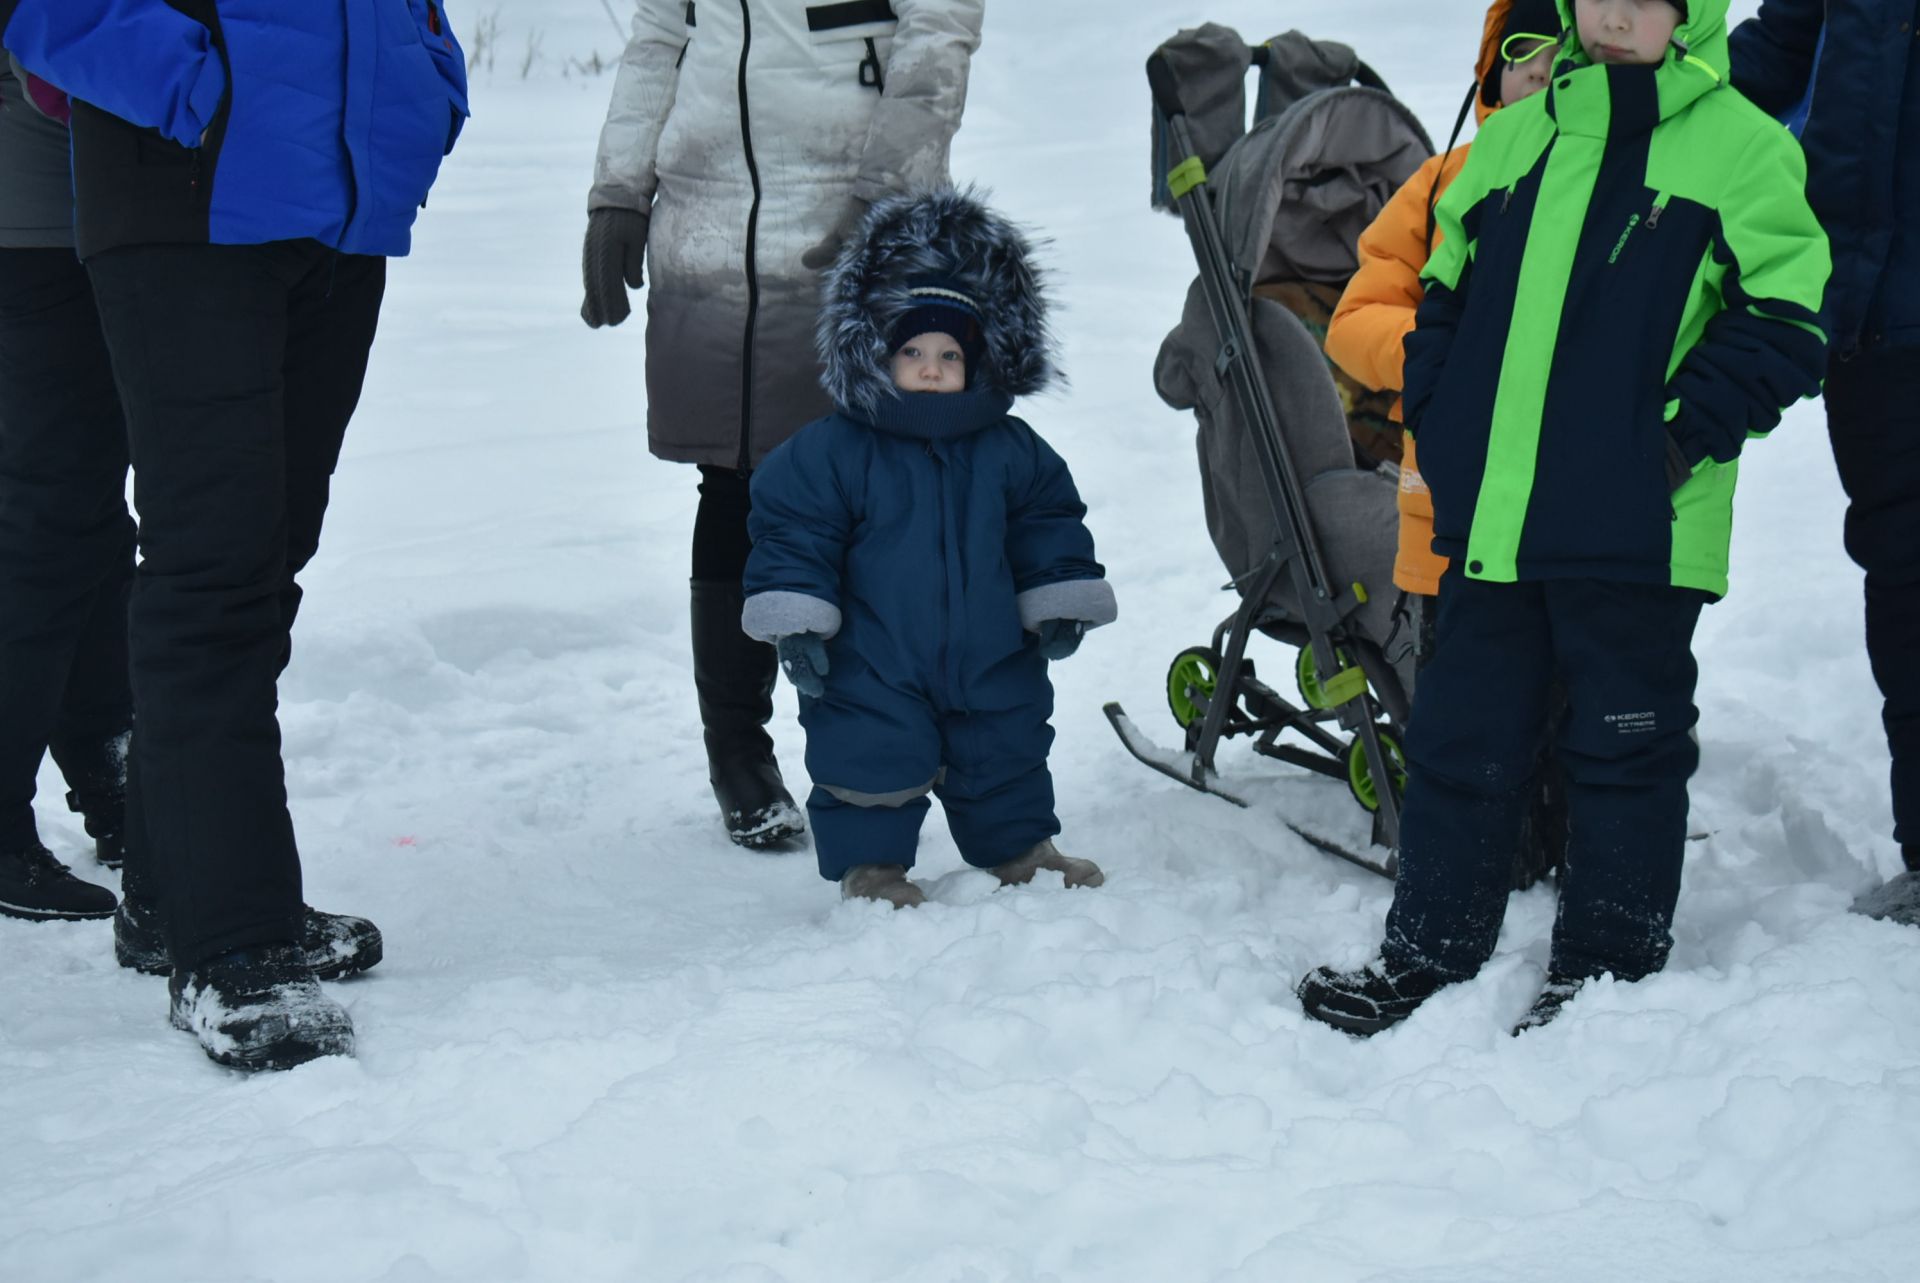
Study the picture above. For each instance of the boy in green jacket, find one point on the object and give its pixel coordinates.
(1625, 290)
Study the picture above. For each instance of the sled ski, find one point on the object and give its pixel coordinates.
(1188, 770)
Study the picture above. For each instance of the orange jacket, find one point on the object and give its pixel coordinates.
(1376, 313)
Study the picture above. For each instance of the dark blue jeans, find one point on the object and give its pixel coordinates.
(1481, 716)
(66, 541)
(1873, 417)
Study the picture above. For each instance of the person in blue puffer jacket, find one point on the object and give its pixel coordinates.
(920, 555)
(242, 170)
(1852, 70)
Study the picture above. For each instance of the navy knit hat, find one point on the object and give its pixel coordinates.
(940, 307)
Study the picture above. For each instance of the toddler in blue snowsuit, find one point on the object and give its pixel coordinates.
(920, 555)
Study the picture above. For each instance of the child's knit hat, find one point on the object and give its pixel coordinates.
(940, 306)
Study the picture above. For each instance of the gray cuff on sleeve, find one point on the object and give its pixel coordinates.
(1088, 600)
(771, 615)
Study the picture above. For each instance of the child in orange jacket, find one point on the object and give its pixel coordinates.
(1376, 312)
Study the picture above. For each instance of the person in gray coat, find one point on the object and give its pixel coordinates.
(66, 539)
(744, 143)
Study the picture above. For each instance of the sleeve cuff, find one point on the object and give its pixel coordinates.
(203, 100)
(1088, 600)
(770, 615)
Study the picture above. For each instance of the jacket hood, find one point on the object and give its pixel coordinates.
(947, 235)
(1697, 63)
(1703, 33)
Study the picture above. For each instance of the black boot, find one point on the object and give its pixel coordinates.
(257, 1009)
(37, 887)
(96, 776)
(335, 945)
(734, 676)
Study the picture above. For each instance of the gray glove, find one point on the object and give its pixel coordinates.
(610, 264)
(822, 255)
(804, 656)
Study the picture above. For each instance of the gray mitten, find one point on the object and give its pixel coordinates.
(610, 264)
(804, 656)
(821, 256)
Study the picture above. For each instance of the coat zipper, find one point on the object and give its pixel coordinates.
(1659, 208)
(753, 231)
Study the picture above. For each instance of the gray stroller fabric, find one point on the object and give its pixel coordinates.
(1210, 63)
(1351, 509)
(1297, 191)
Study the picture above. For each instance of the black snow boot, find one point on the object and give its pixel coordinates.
(1558, 993)
(96, 778)
(36, 886)
(734, 676)
(1366, 1001)
(336, 945)
(259, 1008)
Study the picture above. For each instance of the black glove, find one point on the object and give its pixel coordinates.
(610, 264)
(1059, 638)
(822, 255)
(804, 656)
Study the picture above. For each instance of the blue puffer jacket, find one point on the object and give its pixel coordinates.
(265, 119)
(925, 541)
(1862, 140)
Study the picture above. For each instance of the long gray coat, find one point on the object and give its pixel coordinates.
(745, 127)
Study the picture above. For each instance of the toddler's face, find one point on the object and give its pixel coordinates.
(930, 363)
(1626, 33)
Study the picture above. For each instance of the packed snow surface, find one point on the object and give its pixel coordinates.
(607, 1045)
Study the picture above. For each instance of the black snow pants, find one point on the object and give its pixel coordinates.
(1481, 714)
(66, 540)
(239, 367)
(1873, 417)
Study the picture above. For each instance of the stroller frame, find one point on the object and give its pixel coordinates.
(1349, 696)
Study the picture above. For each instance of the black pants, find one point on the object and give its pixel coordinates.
(1873, 417)
(1481, 713)
(720, 543)
(66, 541)
(239, 367)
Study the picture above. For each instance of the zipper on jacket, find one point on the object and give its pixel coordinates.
(1659, 208)
(753, 231)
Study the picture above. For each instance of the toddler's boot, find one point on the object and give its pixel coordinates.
(886, 883)
(1558, 993)
(1044, 855)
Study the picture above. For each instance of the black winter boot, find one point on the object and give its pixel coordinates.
(335, 946)
(1366, 1001)
(734, 675)
(96, 778)
(258, 1009)
(36, 886)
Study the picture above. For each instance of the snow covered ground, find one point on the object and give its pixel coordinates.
(606, 1045)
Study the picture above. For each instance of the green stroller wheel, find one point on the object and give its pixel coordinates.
(1306, 675)
(1196, 668)
(1360, 778)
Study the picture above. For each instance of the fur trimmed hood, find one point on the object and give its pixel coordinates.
(947, 235)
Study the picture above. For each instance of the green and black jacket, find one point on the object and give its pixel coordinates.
(1625, 289)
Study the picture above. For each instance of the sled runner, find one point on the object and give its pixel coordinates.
(1304, 521)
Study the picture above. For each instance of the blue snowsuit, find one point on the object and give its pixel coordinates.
(924, 542)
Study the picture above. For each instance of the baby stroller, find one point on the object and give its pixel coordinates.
(1307, 536)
